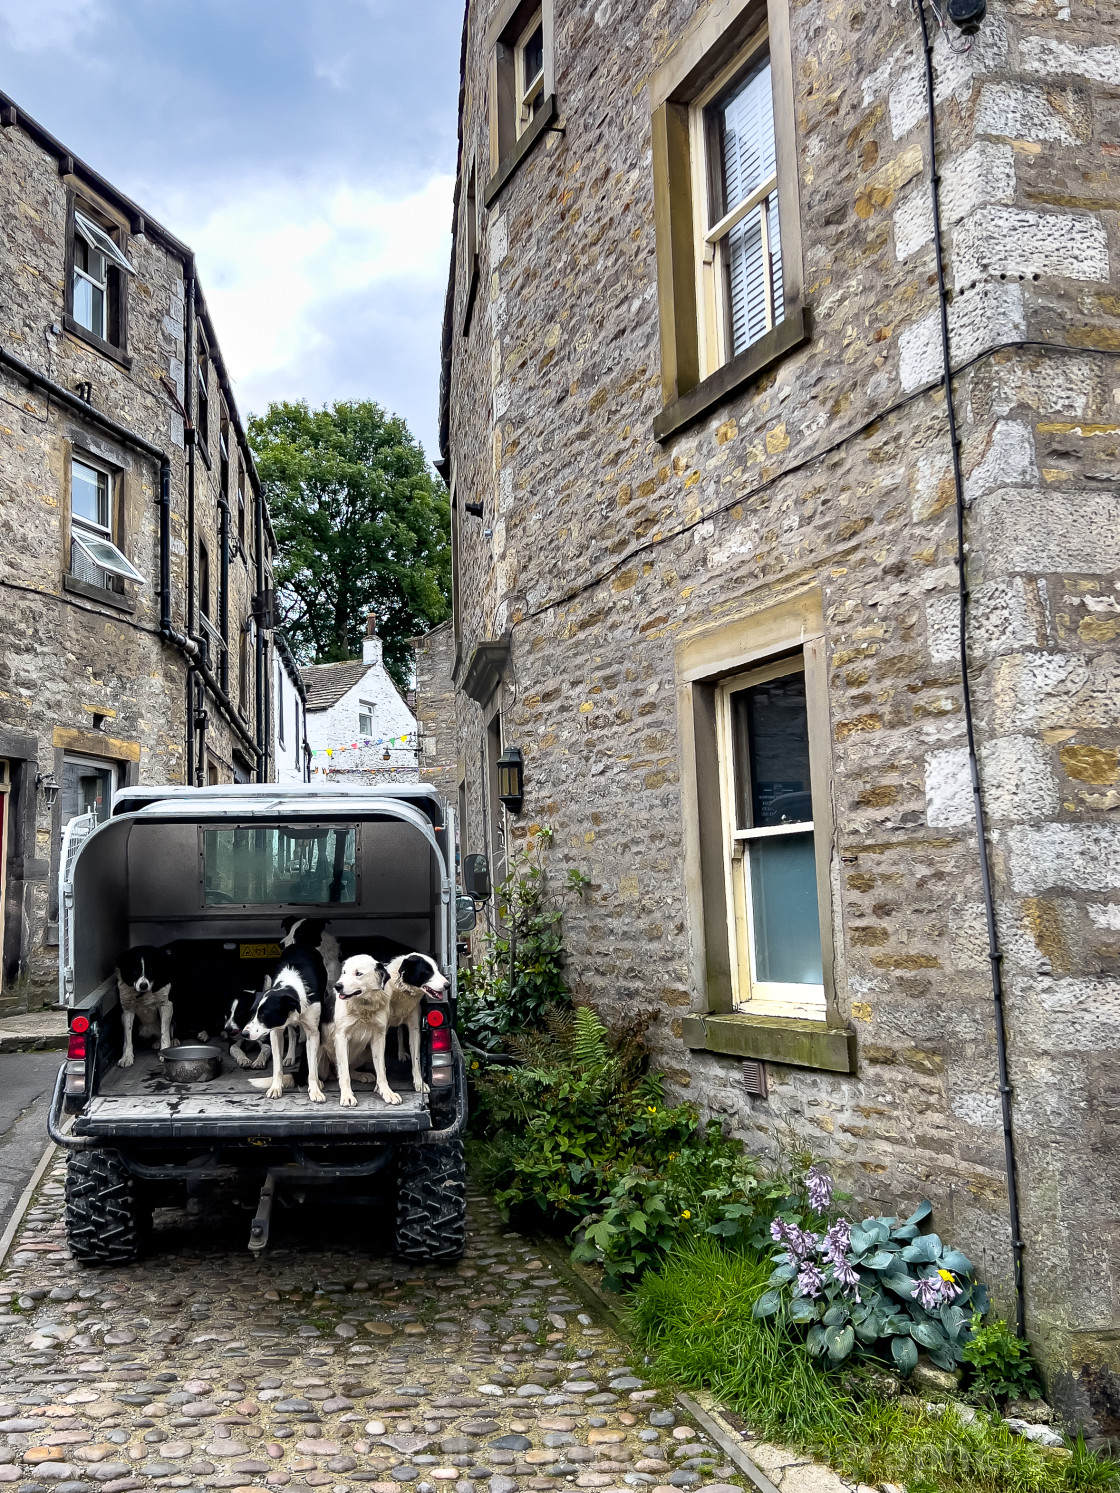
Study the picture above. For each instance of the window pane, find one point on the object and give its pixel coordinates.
(745, 120)
(89, 494)
(278, 867)
(770, 730)
(84, 788)
(785, 930)
(533, 58)
(89, 305)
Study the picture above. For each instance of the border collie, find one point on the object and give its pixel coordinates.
(291, 1001)
(144, 986)
(411, 978)
(311, 933)
(355, 1023)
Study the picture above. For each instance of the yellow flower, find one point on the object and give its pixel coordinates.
(651, 1109)
(673, 1155)
(474, 1064)
(947, 1275)
(686, 1214)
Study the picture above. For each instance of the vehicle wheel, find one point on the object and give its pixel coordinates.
(107, 1221)
(431, 1202)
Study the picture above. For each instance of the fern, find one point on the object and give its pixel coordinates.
(588, 1040)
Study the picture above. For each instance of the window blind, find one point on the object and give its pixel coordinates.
(752, 266)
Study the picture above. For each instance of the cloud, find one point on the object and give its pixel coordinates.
(324, 290)
(47, 25)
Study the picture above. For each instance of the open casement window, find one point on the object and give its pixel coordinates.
(735, 199)
(94, 558)
(96, 286)
(529, 72)
(241, 508)
(769, 849)
(202, 396)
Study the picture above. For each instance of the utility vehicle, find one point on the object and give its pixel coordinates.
(211, 873)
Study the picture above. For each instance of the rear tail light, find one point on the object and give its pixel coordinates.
(80, 1024)
(76, 1056)
(442, 1059)
(435, 1018)
(77, 1047)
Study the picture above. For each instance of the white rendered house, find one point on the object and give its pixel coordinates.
(359, 727)
(290, 760)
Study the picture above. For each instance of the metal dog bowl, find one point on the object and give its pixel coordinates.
(192, 1064)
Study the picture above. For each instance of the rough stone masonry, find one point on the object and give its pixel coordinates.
(608, 561)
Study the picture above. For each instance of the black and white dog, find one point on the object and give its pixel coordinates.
(291, 1002)
(311, 933)
(409, 979)
(368, 998)
(144, 986)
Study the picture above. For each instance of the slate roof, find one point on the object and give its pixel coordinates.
(327, 683)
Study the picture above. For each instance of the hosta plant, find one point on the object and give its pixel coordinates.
(880, 1288)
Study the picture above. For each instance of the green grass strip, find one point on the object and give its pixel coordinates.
(695, 1318)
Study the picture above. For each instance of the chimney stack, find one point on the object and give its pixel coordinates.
(371, 643)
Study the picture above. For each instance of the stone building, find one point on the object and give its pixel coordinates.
(705, 519)
(360, 728)
(135, 547)
(434, 658)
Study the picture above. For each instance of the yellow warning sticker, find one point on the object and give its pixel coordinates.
(260, 951)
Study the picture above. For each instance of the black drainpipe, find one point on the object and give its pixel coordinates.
(223, 596)
(258, 525)
(995, 956)
(188, 402)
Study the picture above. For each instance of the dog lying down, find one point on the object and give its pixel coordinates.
(368, 999)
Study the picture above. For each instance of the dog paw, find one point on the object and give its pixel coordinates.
(274, 1091)
(126, 1061)
(348, 1101)
(242, 1061)
(317, 1096)
(204, 1036)
(389, 1097)
(364, 1077)
(259, 1062)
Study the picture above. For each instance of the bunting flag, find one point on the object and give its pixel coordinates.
(365, 743)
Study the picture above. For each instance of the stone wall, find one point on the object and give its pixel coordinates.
(604, 553)
(83, 669)
(435, 709)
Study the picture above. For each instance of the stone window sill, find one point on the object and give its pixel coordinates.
(773, 1039)
(520, 150)
(106, 349)
(100, 594)
(791, 332)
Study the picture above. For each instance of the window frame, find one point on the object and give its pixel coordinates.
(763, 998)
(366, 708)
(108, 533)
(470, 241)
(115, 344)
(202, 396)
(709, 54)
(706, 661)
(527, 92)
(510, 141)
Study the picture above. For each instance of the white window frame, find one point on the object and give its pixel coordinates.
(95, 540)
(711, 238)
(100, 243)
(366, 707)
(528, 92)
(759, 997)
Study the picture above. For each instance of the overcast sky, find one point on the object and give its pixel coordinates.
(304, 148)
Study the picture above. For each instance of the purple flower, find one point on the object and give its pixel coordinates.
(779, 1231)
(818, 1185)
(933, 1290)
(800, 1244)
(809, 1281)
(838, 1240)
(846, 1277)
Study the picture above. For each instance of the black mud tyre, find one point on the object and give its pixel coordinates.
(431, 1203)
(108, 1222)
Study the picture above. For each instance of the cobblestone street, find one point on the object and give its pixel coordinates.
(324, 1363)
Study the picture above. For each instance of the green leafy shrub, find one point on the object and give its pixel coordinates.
(520, 977)
(1001, 1364)
(696, 1317)
(874, 1288)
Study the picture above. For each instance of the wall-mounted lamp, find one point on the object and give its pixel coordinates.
(511, 779)
(50, 787)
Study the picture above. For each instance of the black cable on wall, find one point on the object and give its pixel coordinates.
(995, 957)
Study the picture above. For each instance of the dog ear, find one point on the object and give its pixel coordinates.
(267, 984)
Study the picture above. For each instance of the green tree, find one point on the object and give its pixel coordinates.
(361, 524)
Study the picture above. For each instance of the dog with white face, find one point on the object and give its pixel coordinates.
(355, 1024)
(144, 987)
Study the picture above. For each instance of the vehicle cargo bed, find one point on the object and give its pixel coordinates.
(139, 1103)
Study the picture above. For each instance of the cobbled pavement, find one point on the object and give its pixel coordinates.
(324, 1363)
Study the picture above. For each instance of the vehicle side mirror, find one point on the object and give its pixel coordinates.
(476, 877)
(465, 915)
